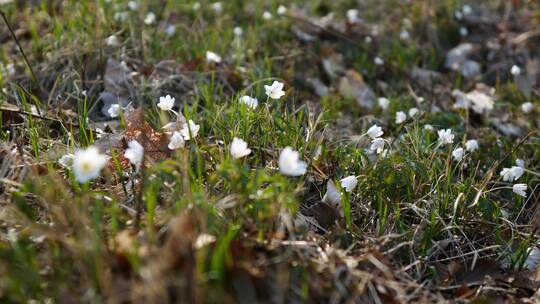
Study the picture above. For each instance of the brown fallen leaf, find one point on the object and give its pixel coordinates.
(353, 86)
(154, 142)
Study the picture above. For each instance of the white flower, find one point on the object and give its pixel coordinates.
(467, 9)
(512, 174)
(515, 70)
(463, 31)
(176, 142)
(237, 31)
(290, 163)
(267, 15)
(349, 183)
(377, 145)
(132, 5)
(66, 160)
(428, 127)
(281, 10)
(114, 110)
(112, 40)
(249, 101)
(217, 7)
(527, 107)
(150, 18)
(520, 189)
(170, 30)
(457, 154)
(520, 163)
(166, 103)
(413, 112)
(275, 91)
(87, 164)
(480, 102)
(134, 153)
(212, 57)
(400, 117)
(196, 6)
(352, 16)
(194, 130)
(378, 61)
(471, 145)
(404, 35)
(384, 103)
(458, 15)
(375, 132)
(121, 16)
(239, 148)
(445, 136)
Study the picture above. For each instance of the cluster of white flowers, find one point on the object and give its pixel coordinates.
(377, 143)
(445, 137)
(479, 101)
(512, 174)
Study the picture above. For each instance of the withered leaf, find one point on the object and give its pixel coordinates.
(153, 142)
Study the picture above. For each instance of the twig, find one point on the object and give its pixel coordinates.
(21, 50)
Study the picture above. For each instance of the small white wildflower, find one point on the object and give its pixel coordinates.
(274, 91)
(133, 5)
(457, 154)
(413, 112)
(196, 6)
(217, 7)
(400, 117)
(194, 130)
(176, 142)
(352, 16)
(87, 164)
(121, 16)
(384, 103)
(66, 160)
(512, 174)
(290, 163)
(520, 163)
(471, 145)
(135, 153)
(267, 15)
(445, 136)
(467, 9)
(428, 127)
(150, 18)
(527, 107)
(114, 110)
(112, 40)
(463, 31)
(375, 132)
(480, 102)
(378, 61)
(404, 35)
(377, 145)
(458, 14)
(237, 31)
(239, 148)
(170, 30)
(520, 189)
(349, 183)
(212, 57)
(515, 70)
(166, 103)
(281, 10)
(249, 101)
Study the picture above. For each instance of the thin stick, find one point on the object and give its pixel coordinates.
(21, 50)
